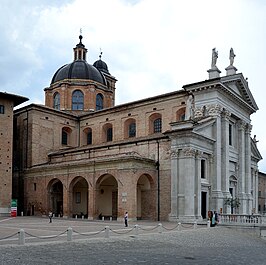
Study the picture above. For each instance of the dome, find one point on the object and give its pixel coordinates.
(101, 66)
(79, 69)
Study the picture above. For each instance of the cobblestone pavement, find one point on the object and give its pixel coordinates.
(217, 245)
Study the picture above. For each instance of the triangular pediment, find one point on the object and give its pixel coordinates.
(238, 86)
(205, 127)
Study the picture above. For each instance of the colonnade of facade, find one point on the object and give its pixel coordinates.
(205, 174)
(108, 198)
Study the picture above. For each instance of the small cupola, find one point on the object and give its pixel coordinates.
(101, 65)
(80, 51)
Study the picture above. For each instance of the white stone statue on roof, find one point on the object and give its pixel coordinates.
(214, 57)
(231, 56)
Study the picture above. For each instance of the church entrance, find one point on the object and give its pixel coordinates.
(204, 204)
(145, 198)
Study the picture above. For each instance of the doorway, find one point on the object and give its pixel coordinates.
(204, 204)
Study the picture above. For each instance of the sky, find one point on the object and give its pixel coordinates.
(151, 46)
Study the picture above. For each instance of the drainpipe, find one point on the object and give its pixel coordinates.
(158, 179)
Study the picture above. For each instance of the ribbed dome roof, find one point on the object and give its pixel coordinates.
(101, 66)
(78, 69)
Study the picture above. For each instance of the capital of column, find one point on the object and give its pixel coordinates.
(174, 153)
(198, 154)
(226, 114)
(189, 152)
(241, 125)
(248, 128)
(214, 110)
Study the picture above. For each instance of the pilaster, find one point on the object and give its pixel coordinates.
(174, 185)
(242, 167)
(186, 192)
(248, 167)
(225, 152)
(217, 202)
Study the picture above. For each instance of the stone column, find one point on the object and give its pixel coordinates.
(198, 185)
(66, 202)
(91, 202)
(256, 188)
(242, 167)
(225, 158)
(225, 153)
(248, 167)
(174, 185)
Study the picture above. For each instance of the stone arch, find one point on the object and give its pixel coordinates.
(107, 196)
(155, 123)
(55, 197)
(77, 100)
(56, 101)
(99, 101)
(78, 197)
(180, 114)
(130, 128)
(146, 198)
(66, 138)
(233, 186)
(107, 132)
(87, 136)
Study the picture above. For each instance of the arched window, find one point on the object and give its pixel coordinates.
(99, 101)
(132, 129)
(157, 125)
(65, 137)
(180, 114)
(57, 101)
(77, 100)
(107, 132)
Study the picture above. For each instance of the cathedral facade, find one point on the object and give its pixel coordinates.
(169, 157)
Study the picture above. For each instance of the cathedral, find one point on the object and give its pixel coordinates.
(171, 157)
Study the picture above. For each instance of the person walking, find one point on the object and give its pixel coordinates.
(126, 219)
(50, 215)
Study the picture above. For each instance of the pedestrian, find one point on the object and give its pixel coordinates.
(50, 215)
(126, 219)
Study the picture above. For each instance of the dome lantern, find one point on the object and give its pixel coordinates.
(80, 51)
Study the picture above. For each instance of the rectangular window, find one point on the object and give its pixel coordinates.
(132, 130)
(78, 197)
(89, 137)
(203, 168)
(2, 109)
(157, 125)
(109, 135)
(35, 186)
(259, 193)
(64, 138)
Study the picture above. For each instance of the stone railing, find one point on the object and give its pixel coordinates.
(241, 219)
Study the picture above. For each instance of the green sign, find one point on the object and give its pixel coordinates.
(14, 203)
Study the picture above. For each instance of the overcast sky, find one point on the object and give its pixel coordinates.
(152, 47)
